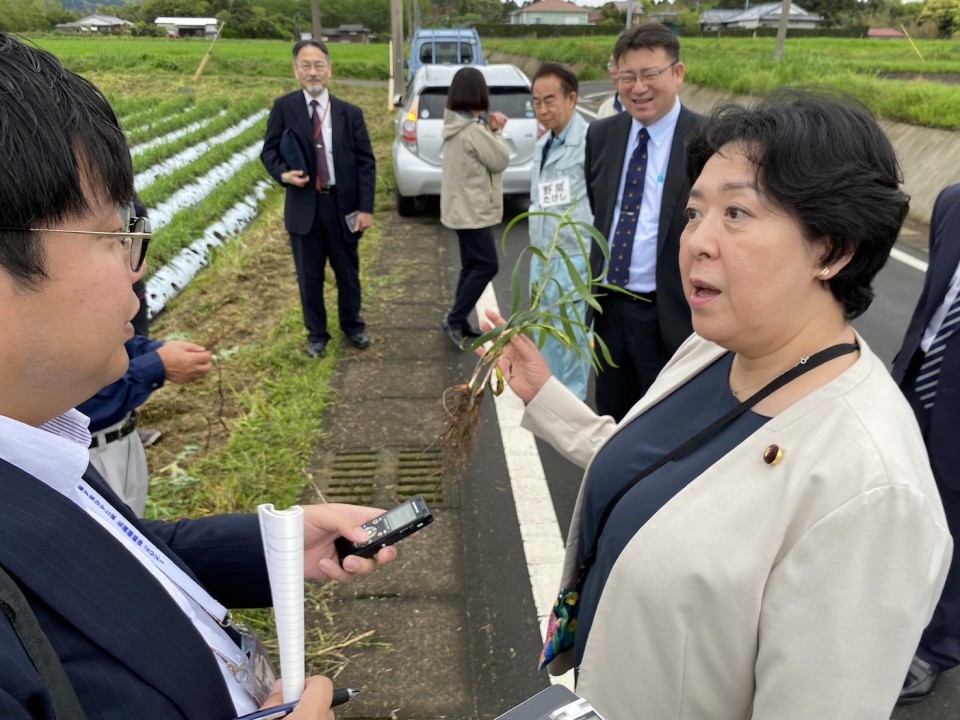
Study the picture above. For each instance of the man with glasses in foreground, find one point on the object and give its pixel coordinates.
(104, 615)
(318, 147)
(638, 191)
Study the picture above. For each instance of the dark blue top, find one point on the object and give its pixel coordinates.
(642, 442)
(145, 374)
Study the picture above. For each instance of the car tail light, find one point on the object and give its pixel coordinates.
(408, 127)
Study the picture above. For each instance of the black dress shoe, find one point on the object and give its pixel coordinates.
(470, 331)
(360, 340)
(454, 333)
(921, 677)
(317, 349)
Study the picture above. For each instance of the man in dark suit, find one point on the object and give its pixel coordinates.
(318, 147)
(927, 367)
(116, 616)
(642, 150)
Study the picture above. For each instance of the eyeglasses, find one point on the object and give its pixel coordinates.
(648, 76)
(135, 239)
(319, 66)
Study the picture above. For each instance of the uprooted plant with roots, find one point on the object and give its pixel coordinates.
(562, 316)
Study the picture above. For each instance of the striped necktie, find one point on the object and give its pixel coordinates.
(929, 375)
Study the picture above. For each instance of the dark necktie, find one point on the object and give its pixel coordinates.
(323, 172)
(929, 375)
(621, 245)
(546, 150)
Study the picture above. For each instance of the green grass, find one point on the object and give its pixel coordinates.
(746, 65)
(231, 59)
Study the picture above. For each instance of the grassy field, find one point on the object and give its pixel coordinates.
(230, 58)
(929, 94)
(891, 77)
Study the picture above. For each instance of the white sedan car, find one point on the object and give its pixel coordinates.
(418, 146)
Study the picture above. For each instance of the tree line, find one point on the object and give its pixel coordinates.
(285, 19)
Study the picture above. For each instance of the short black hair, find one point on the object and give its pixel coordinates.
(568, 81)
(468, 91)
(648, 36)
(319, 44)
(822, 157)
(59, 137)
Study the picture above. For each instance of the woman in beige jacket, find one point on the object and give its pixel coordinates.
(471, 193)
(783, 566)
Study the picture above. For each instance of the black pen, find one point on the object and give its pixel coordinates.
(340, 696)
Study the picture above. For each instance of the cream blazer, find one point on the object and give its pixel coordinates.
(794, 591)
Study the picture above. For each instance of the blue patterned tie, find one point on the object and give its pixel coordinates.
(621, 245)
(926, 382)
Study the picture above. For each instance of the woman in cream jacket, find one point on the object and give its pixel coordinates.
(785, 566)
(471, 191)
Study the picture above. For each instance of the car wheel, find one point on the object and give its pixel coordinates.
(405, 205)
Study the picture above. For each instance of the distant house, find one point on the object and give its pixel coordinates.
(550, 12)
(188, 26)
(885, 34)
(766, 15)
(596, 15)
(347, 34)
(104, 24)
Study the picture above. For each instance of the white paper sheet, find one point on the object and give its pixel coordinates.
(282, 533)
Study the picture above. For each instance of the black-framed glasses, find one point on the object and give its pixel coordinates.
(135, 238)
(628, 79)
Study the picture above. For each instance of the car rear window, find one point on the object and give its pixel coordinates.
(446, 53)
(513, 102)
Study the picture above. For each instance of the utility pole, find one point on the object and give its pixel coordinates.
(315, 14)
(396, 31)
(629, 14)
(782, 30)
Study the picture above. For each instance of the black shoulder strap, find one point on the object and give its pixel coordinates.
(14, 605)
(805, 365)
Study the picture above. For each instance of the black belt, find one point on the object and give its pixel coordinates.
(650, 297)
(329, 190)
(129, 425)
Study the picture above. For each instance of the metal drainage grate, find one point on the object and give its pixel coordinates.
(383, 476)
(420, 472)
(353, 477)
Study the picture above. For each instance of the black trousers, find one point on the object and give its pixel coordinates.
(328, 239)
(940, 642)
(478, 266)
(631, 330)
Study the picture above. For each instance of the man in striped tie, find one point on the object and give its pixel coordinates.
(927, 367)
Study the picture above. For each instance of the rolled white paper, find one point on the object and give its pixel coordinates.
(282, 533)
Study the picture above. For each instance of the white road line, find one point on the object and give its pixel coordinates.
(908, 260)
(539, 528)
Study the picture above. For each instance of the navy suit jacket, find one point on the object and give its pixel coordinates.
(354, 165)
(606, 145)
(127, 648)
(941, 435)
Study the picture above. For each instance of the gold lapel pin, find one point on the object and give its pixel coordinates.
(773, 455)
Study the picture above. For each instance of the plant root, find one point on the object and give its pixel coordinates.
(462, 405)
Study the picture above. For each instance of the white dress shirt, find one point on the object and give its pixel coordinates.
(643, 262)
(324, 100)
